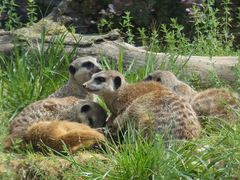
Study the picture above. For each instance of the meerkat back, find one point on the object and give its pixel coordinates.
(169, 80)
(161, 112)
(80, 71)
(216, 102)
(57, 134)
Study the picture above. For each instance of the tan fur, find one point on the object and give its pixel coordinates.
(55, 134)
(169, 80)
(68, 108)
(149, 105)
(215, 102)
(76, 79)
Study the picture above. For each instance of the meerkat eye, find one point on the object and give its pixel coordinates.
(88, 65)
(149, 78)
(158, 79)
(100, 80)
(90, 121)
(85, 108)
(72, 69)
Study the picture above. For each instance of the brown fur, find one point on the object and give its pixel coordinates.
(213, 101)
(149, 105)
(55, 134)
(68, 108)
(217, 102)
(169, 80)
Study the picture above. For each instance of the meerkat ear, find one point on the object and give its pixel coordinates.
(72, 69)
(149, 78)
(117, 82)
(85, 108)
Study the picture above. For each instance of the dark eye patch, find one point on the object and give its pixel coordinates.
(99, 80)
(88, 65)
(72, 69)
(149, 78)
(158, 79)
(85, 108)
(90, 122)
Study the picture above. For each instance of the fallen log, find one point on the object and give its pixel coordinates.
(111, 45)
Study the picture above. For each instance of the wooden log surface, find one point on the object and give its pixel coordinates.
(111, 45)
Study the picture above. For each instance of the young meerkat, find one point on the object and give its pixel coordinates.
(211, 101)
(55, 134)
(80, 71)
(68, 108)
(169, 80)
(149, 105)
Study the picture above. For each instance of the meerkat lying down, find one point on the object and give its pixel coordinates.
(80, 71)
(212, 101)
(68, 108)
(56, 134)
(149, 105)
(216, 102)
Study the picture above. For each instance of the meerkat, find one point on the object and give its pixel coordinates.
(212, 101)
(80, 71)
(169, 80)
(215, 102)
(68, 108)
(56, 134)
(149, 105)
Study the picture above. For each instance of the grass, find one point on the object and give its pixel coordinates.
(28, 75)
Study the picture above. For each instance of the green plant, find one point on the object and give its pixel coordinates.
(31, 11)
(127, 25)
(105, 24)
(143, 36)
(13, 19)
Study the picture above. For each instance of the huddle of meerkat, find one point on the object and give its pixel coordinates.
(169, 80)
(64, 104)
(68, 108)
(211, 101)
(55, 134)
(148, 105)
(80, 71)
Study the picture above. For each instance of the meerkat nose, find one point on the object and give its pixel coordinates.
(84, 85)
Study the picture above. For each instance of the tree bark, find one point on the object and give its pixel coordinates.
(111, 46)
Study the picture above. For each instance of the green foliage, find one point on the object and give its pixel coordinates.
(127, 27)
(31, 11)
(13, 18)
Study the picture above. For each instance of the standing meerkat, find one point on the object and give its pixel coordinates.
(148, 105)
(80, 71)
(68, 108)
(211, 101)
(169, 80)
(55, 134)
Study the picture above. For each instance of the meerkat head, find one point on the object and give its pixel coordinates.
(91, 113)
(105, 82)
(83, 68)
(166, 78)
